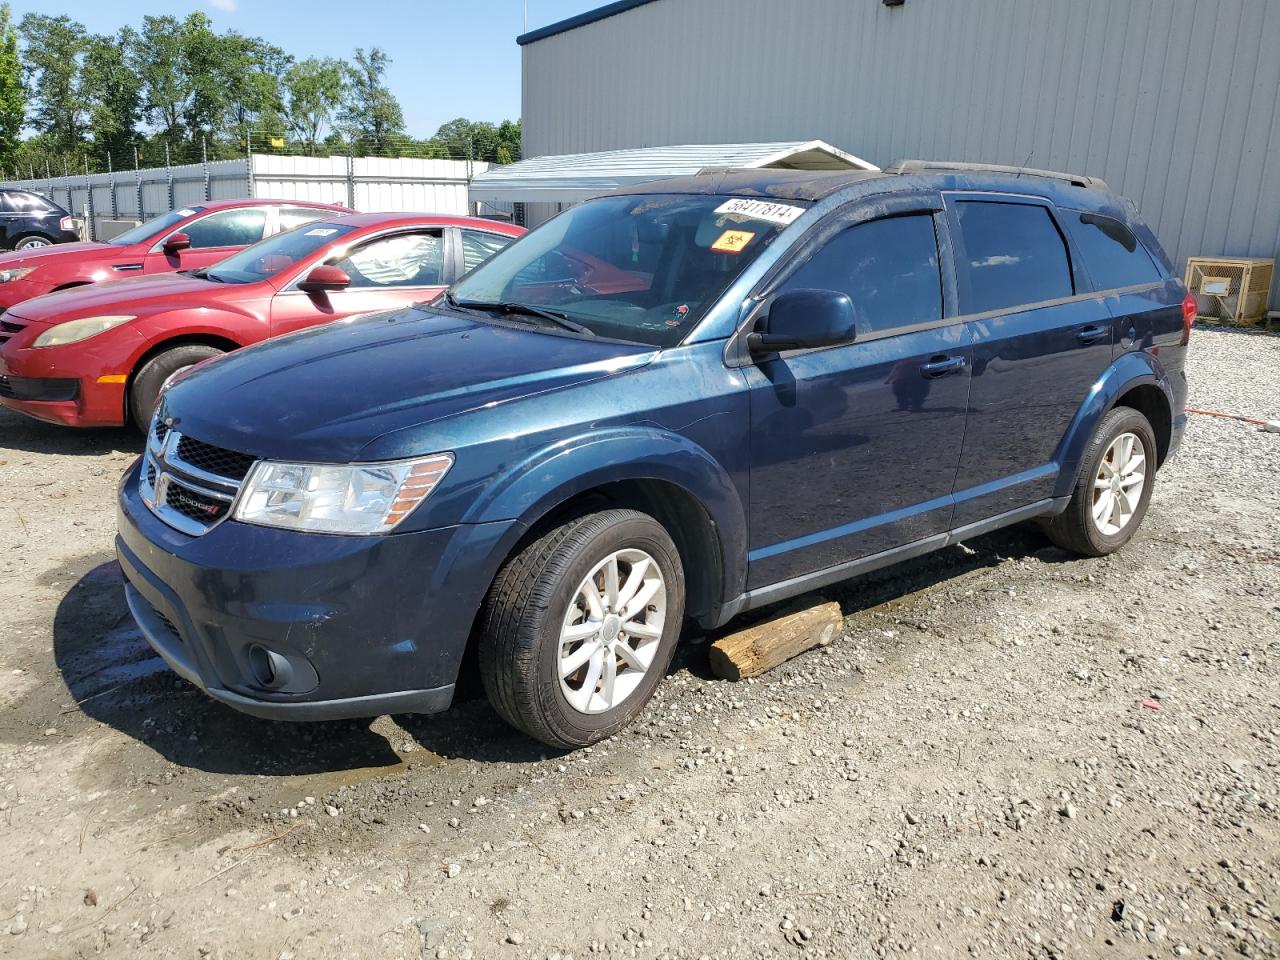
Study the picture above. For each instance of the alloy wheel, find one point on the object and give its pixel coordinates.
(611, 632)
(1118, 485)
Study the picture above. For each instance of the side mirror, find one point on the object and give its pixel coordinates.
(804, 319)
(323, 279)
(175, 243)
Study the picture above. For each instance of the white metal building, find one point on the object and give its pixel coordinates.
(1175, 103)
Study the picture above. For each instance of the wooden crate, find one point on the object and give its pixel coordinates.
(1230, 289)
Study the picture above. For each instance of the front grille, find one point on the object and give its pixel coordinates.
(166, 623)
(205, 456)
(9, 326)
(189, 484)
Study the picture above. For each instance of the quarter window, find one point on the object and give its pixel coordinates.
(889, 269)
(403, 260)
(1111, 252)
(1014, 255)
(477, 247)
(228, 228)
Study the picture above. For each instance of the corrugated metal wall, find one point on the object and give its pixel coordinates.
(1176, 103)
(368, 184)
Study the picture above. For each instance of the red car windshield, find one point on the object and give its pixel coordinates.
(268, 257)
(149, 229)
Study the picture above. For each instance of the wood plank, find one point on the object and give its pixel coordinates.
(749, 652)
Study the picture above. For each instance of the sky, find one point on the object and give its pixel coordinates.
(450, 58)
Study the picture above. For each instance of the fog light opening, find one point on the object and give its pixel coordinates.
(270, 670)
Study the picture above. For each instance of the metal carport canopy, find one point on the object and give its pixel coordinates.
(581, 176)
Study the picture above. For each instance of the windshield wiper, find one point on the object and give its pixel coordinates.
(510, 307)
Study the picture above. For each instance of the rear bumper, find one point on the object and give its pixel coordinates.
(361, 626)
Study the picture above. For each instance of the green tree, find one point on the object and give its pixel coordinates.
(54, 48)
(156, 56)
(314, 91)
(254, 72)
(114, 93)
(13, 95)
(371, 115)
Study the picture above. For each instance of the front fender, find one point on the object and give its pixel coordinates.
(1130, 370)
(528, 491)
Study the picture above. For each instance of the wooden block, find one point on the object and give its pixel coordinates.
(761, 646)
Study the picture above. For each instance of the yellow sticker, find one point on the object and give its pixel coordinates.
(733, 241)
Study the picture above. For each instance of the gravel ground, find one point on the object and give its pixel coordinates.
(1010, 753)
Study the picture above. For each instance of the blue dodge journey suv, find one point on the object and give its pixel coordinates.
(681, 401)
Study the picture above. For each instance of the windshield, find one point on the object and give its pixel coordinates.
(637, 268)
(149, 229)
(268, 257)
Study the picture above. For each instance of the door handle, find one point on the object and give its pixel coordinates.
(1091, 333)
(941, 366)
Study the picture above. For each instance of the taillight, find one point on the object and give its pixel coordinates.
(1189, 310)
(67, 223)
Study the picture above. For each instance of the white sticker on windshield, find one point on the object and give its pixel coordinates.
(321, 232)
(782, 213)
(185, 212)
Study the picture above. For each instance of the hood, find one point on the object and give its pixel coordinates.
(132, 295)
(58, 252)
(328, 393)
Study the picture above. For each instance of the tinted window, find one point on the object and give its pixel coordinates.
(291, 217)
(1014, 254)
(404, 260)
(17, 202)
(1112, 254)
(229, 228)
(889, 269)
(477, 247)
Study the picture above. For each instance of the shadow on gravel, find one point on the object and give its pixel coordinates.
(18, 432)
(115, 678)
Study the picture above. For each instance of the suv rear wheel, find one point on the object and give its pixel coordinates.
(579, 627)
(1110, 498)
(144, 392)
(33, 243)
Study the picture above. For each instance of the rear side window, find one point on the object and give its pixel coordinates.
(228, 228)
(889, 269)
(1112, 254)
(18, 202)
(291, 217)
(1014, 255)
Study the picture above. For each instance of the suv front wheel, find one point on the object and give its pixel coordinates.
(1116, 478)
(579, 627)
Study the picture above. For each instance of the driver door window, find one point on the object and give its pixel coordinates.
(227, 228)
(404, 260)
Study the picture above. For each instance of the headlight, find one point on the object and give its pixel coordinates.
(359, 498)
(18, 273)
(82, 329)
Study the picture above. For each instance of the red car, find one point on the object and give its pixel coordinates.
(186, 239)
(99, 356)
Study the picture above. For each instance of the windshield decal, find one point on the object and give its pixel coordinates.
(321, 232)
(780, 213)
(733, 241)
(184, 212)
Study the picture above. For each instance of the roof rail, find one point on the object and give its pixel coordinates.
(942, 166)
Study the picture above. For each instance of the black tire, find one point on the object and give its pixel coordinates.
(523, 612)
(1075, 529)
(32, 241)
(144, 391)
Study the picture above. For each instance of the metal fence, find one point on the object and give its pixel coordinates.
(109, 203)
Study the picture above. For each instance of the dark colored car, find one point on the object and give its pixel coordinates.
(686, 400)
(183, 239)
(29, 221)
(98, 356)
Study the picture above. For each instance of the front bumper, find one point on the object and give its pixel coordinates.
(77, 385)
(366, 625)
